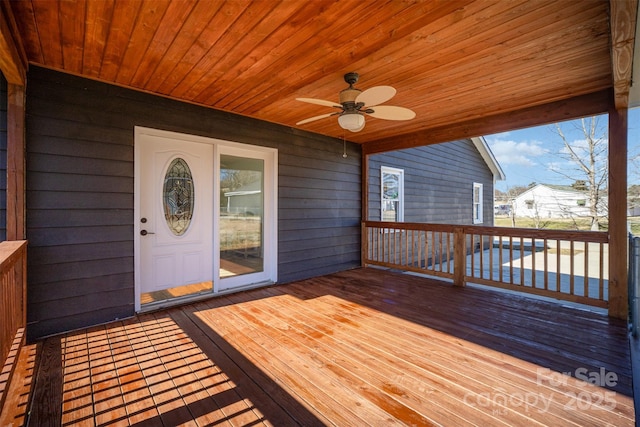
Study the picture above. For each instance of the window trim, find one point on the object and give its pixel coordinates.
(392, 171)
(479, 218)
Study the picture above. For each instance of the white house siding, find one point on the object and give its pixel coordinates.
(543, 201)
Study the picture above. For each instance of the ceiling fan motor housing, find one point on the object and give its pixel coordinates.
(348, 96)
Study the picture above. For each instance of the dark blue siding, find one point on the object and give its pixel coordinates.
(80, 195)
(438, 182)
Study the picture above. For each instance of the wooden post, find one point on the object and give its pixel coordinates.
(618, 239)
(459, 256)
(365, 205)
(15, 162)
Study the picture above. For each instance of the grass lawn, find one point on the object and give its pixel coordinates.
(547, 224)
(562, 224)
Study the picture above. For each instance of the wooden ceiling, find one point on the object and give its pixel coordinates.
(466, 67)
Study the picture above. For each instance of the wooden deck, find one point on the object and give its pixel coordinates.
(362, 347)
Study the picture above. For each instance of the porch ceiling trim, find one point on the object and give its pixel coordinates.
(594, 103)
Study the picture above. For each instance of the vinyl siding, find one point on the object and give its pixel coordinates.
(80, 182)
(438, 183)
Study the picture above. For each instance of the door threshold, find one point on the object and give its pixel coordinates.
(245, 287)
(188, 299)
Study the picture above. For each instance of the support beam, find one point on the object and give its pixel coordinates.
(623, 27)
(618, 239)
(16, 162)
(13, 65)
(365, 205)
(581, 106)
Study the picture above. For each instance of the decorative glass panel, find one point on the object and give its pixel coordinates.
(178, 196)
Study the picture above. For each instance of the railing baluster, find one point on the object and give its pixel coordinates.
(450, 249)
(511, 260)
(546, 264)
(433, 251)
(438, 249)
(501, 262)
(601, 281)
(491, 266)
(388, 249)
(426, 249)
(419, 249)
(558, 265)
(414, 249)
(533, 262)
(481, 248)
(522, 261)
(572, 265)
(472, 245)
(586, 270)
(374, 244)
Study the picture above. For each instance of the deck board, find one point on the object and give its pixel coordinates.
(360, 347)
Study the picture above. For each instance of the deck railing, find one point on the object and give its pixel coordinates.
(567, 265)
(13, 308)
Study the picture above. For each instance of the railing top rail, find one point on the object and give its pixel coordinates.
(532, 233)
(9, 251)
(412, 226)
(580, 236)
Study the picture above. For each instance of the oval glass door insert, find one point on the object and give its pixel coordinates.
(178, 196)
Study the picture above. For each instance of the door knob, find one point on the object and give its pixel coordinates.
(145, 232)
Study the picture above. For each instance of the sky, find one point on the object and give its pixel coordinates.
(537, 154)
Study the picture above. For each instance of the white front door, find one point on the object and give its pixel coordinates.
(175, 215)
(205, 216)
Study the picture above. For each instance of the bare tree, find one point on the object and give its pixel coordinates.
(589, 156)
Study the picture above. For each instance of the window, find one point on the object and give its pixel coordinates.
(392, 185)
(477, 203)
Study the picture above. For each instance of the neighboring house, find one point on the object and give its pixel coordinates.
(553, 201)
(449, 183)
(246, 200)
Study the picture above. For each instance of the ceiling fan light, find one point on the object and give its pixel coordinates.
(351, 121)
(359, 129)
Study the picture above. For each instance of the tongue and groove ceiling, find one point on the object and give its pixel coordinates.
(462, 66)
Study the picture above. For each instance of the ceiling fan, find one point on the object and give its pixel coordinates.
(355, 104)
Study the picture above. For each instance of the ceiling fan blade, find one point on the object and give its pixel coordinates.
(376, 95)
(320, 102)
(389, 112)
(313, 119)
